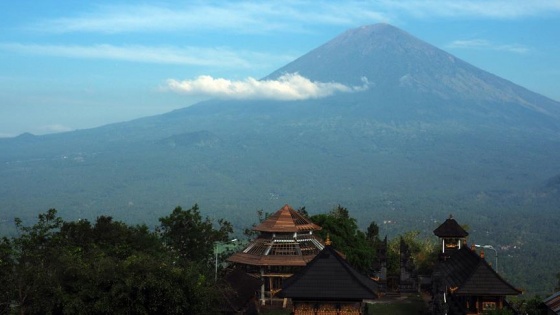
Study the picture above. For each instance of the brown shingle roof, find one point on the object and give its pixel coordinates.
(286, 220)
(450, 228)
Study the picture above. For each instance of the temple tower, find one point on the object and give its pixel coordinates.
(452, 237)
(286, 243)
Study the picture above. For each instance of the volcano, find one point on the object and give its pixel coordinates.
(429, 132)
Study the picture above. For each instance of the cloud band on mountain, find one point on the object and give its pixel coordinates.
(287, 87)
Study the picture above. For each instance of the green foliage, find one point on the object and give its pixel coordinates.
(36, 253)
(346, 237)
(7, 264)
(424, 252)
(191, 236)
(372, 233)
(529, 306)
(105, 268)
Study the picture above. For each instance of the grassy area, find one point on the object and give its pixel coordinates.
(406, 305)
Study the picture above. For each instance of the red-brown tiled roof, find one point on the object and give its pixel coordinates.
(286, 220)
(553, 302)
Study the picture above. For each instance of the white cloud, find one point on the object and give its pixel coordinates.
(52, 129)
(485, 44)
(287, 87)
(195, 56)
(269, 16)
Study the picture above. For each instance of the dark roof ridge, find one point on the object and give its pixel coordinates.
(356, 274)
(450, 228)
(309, 272)
(482, 263)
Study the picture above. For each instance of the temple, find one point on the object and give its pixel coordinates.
(286, 243)
(328, 285)
(463, 282)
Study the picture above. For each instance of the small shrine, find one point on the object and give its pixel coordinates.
(286, 243)
(328, 285)
(463, 282)
(452, 237)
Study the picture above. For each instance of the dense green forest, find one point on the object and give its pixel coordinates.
(109, 267)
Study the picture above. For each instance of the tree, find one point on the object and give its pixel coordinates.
(424, 252)
(372, 233)
(106, 268)
(303, 212)
(111, 267)
(35, 263)
(193, 237)
(346, 237)
(6, 272)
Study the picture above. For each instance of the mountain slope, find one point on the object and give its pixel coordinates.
(431, 135)
(398, 65)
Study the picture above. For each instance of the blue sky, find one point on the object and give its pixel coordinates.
(68, 65)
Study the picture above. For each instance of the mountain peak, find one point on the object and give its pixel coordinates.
(395, 62)
(365, 51)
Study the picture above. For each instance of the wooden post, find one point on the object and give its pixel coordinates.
(263, 301)
(270, 288)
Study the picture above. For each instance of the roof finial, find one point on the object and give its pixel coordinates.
(450, 216)
(328, 241)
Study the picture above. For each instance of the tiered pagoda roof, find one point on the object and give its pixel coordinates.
(466, 273)
(286, 239)
(450, 228)
(286, 220)
(329, 277)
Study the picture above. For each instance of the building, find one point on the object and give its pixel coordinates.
(285, 244)
(452, 237)
(463, 282)
(328, 285)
